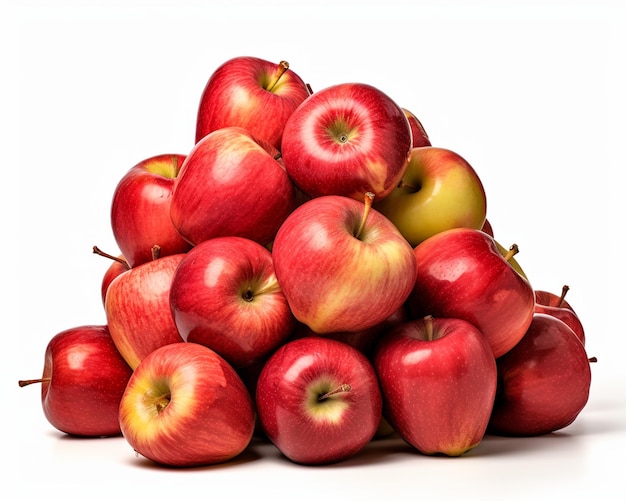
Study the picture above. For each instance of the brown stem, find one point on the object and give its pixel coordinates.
(341, 389)
(283, 66)
(369, 200)
(26, 382)
(513, 250)
(156, 252)
(592, 359)
(96, 250)
(563, 294)
(309, 89)
(428, 324)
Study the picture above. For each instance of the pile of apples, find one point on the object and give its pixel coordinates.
(315, 273)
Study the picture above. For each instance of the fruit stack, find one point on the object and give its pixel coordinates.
(314, 273)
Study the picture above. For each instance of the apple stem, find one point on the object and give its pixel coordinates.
(309, 89)
(368, 200)
(96, 250)
(341, 389)
(283, 66)
(513, 250)
(563, 294)
(26, 382)
(156, 252)
(592, 359)
(428, 324)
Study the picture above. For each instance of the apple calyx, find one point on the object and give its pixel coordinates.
(283, 66)
(513, 250)
(368, 201)
(341, 389)
(97, 250)
(26, 382)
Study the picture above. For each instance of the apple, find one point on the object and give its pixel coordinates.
(342, 265)
(347, 139)
(543, 382)
(462, 274)
(186, 406)
(137, 307)
(556, 305)
(225, 295)
(252, 93)
(439, 191)
(140, 210)
(84, 377)
(418, 133)
(318, 400)
(231, 184)
(438, 379)
(118, 266)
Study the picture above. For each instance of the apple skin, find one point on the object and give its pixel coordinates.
(186, 406)
(334, 281)
(462, 274)
(556, 305)
(240, 93)
(438, 379)
(87, 377)
(231, 184)
(304, 429)
(137, 307)
(543, 382)
(140, 210)
(225, 295)
(418, 133)
(439, 191)
(347, 139)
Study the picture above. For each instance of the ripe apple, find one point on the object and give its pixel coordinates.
(84, 377)
(137, 307)
(347, 139)
(225, 295)
(556, 305)
(439, 191)
(318, 400)
(342, 265)
(462, 274)
(438, 379)
(186, 406)
(252, 93)
(231, 184)
(418, 133)
(543, 382)
(140, 210)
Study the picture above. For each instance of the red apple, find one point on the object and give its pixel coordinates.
(543, 382)
(418, 133)
(231, 184)
(438, 379)
(557, 306)
(439, 191)
(462, 274)
(318, 400)
(118, 266)
(342, 265)
(252, 93)
(347, 139)
(140, 210)
(84, 377)
(137, 307)
(225, 295)
(186, 406)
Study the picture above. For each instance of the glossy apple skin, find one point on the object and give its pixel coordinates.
(462, 274)
(237, 94)
(552, 304)
(186, 406)
(308, 431)
(231, 185)
(543, 382)
(140, 210)
(347, 139)
(439, 191)
(334, 281)
(137, 307)
(438, 392)
(87, 379)
(225, 295)
(418, 133)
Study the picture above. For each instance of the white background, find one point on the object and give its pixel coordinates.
(531, 93)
